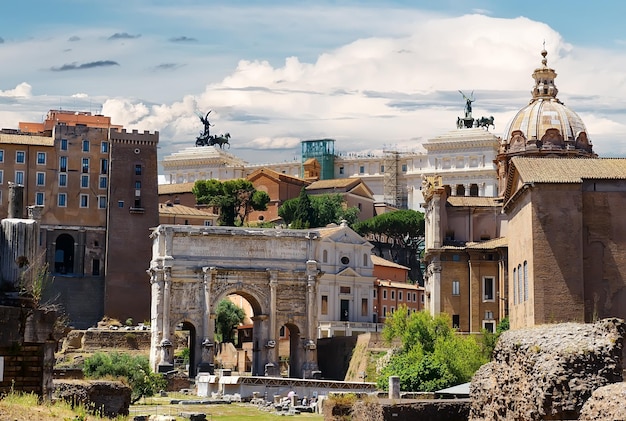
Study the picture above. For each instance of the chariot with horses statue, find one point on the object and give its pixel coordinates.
(207, 139)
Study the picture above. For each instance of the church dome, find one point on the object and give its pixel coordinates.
(546, 124)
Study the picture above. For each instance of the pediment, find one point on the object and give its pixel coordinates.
(344, 235)
(348, 272)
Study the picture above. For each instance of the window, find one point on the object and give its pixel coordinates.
(520, 285)
(456, 321)
(95, 267)
(340, 170)
(403, 167)
(63, 144)
(364, 307)
(138, 205)
(137, 185)
(84, 201)
(393, 294)
(456, 258)
(384, 294)
(384, 311)
(374, 293)
(63, 180)
(488, 315)
(392, 309)
(344, 290)
(366, 259)
(84, 181)
(525, 280)
(324, 304)
(19, 177)
(399, 295)
(102, 202)
(489, 286)
(120, 203)
(103, 182)
(85, 165)
(1, 176)
(85, 146)
(456, 288)
(382, 168)
(104, 147)
(104, 166)
(41, 158)
(489, 326)
(62, 200)
(137, 169)
(414, 298)
(362, 169)
(20, 157)
(514, 286)
(325, 256)
(345, 260)
(39, 198)
(1, 155)
(41, 178)
(208, 223)
(63, 164)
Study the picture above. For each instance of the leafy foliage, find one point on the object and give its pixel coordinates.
(228, 316)
(234, 198)
(401, 232)
(135, 370)
(432, 355)
(491, 339)
(324, 209)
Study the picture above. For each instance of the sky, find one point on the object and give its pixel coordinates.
(372, 75)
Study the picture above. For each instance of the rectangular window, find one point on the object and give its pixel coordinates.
(137, 185)
(1, 155)
(384, 294)
(138, 206)
(120, 204)
(374, 293)
(63, 180)
(208, 223)
(41, 178)
(324, 304)
(520, 285)
(104, 166)
(85, 146)
(41, 158)
(340, 170)
(364, 307)
(393, 294)
(456, 321)
(344, 290)
(62, 200)
(84, 201)
(1, 176)
(63, 144)
(103, 182)
(102, 202)
(19, 177)
(414, 298)
(137, 169)
(489, 287)
(525, 281)
(399, 295)
(39, 198)
(104, 147)
(456, 288)
(95, 267)
(84, 181)
(403, 167)
(384, 311)
(63, 164)
(85, 165)
(20, 157)
(362, 169)
(489, 326)
(382, 168)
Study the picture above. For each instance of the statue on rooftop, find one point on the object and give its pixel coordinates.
(468, 103)
(206, 138)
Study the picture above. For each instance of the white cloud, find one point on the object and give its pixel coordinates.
(23, 90)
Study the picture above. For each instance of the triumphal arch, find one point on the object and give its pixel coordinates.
(193, 268)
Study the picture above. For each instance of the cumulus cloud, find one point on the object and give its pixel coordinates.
(89, 65)
(123, 35)
(23, 90)
(80, 95)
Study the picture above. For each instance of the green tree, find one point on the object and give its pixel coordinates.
(228, 316)
(432, 355)
(304, 214)
(327, 209)
(234, 198)
(134, 370)
(401, 232)
(489, 339)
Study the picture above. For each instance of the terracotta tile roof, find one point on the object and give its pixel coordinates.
(171, 209)
(488, 244)
(403, 285)
(472, 201)
(328, 231)
(175, 188)
(21, 139)
(569, 170)
(277, 175)
(334, 183)
(379, 261)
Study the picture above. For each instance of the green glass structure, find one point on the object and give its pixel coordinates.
(324, 151)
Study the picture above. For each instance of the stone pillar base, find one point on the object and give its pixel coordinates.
(272, 370)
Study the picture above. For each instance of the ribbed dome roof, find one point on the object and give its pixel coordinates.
(546, 124)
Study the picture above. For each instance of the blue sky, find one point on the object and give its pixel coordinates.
(369, 74)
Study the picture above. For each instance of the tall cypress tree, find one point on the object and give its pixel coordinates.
(304, 215)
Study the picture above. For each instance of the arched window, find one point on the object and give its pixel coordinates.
(460, 190)
(474, 190)
(514, 286)
(325, 256)
(520, 285)
(525, 280)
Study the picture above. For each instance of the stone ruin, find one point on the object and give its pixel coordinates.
(548, 372)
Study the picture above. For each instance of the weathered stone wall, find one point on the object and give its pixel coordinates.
(547, 372)
(107, 398)
(606, 403)
(89, 340)
(371, 409)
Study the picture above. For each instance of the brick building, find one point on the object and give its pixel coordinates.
(96, 187)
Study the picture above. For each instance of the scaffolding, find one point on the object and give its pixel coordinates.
(391, 192)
